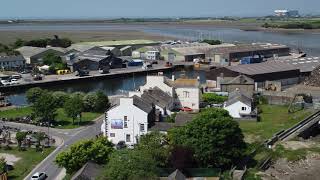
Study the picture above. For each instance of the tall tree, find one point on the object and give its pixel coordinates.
(39, 136)
(102, 102)
(44, 108)
(214, 136)
(131, 164)
(73, 107)
(33, 94)
(20, 136)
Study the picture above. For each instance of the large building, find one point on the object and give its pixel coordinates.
(286, 13)
(34, 55)
(12, 62)
(284, 73)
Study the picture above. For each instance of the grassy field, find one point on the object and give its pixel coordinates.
(64, 122)
(29, 159)
(273, 119)
(9, 37)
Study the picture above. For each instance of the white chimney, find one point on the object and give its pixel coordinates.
(173, 78)
(198, 77)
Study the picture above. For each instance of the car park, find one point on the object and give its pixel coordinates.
(14, 81)
(5, 82)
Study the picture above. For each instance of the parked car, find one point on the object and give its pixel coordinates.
(104, 70)
(14, 81)
(186, 109)
(5, 82)
(16, 76)
(39, 176)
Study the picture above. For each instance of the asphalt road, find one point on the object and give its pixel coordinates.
(68, 136)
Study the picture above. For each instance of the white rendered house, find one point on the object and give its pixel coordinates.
(128, 120)
(238, 105)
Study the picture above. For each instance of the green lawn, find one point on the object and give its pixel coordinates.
(29, 159)
(63, 121)
(273, 119)
(17, 112)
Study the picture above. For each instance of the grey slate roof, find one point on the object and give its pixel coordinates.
(141, 104)
(176, 175)
(241, 79)
(236, 96)
(89, 171)
(157, 96)
(262, 68)
(12, 58)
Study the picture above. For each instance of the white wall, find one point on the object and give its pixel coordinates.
(236, 109)
(135, 117)
(156, 81)
(192, 100)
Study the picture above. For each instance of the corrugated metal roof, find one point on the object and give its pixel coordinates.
(262, 68)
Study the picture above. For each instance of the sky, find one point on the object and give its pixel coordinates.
(149, 8)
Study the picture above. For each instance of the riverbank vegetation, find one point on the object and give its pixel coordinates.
(59, 109)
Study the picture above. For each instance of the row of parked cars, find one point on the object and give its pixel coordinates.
(13, 80)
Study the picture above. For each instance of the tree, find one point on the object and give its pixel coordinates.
(102, 102)
(100, 150)
(75, 157)
(182, 158)
(155, 144)
(18, 43)
(39, 136)
(78, 154)
(214, 136)
(89, 101)
(33, 94)
(73, 107)
(20, 136)
(213, 98)
(44, 108)
(131, 164)
(3, 165)
(60, 97)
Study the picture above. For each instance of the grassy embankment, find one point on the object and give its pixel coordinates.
(63, 121)
(29, 159)
(273, 119)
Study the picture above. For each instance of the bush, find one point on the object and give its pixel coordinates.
(213, 98)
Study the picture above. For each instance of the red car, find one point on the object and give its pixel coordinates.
(186, 109)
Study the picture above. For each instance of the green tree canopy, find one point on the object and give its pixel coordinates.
(155, 144)
(45, 107)
(132, 165)
(102, 102)
(214, 136)
(3, 165)
(20, 136)
(33, 94)
(97, 150)
(73, 107)
(60, 97)
(213, 98)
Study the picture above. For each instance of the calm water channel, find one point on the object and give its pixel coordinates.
(309, 42)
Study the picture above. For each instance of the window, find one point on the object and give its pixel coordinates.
(112, 134)
(244, 108)
(125, 121)
(141, 127)
(128, 138)
(186, 94)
